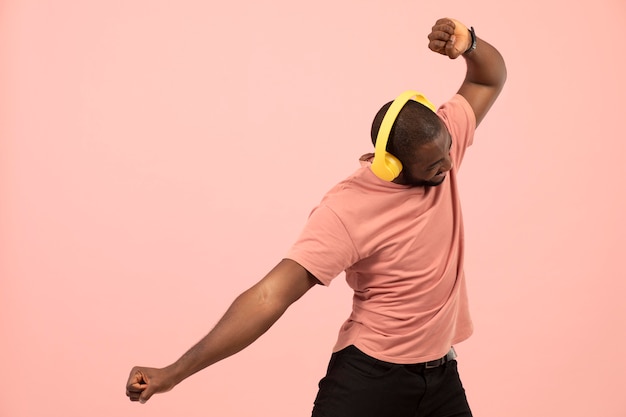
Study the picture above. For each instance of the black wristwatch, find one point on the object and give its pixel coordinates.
(473, 45)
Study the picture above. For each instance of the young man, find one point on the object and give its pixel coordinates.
(395, 227)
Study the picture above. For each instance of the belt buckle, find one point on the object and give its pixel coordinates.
(451, 355)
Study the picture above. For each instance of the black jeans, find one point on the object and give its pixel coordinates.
(357, 385)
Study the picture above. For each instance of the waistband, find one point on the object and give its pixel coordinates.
(354, 351)
(451, 355)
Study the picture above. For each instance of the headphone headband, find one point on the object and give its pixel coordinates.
(385, 165)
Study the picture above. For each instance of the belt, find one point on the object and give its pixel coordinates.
(438, 362)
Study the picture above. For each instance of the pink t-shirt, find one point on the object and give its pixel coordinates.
(402, 250)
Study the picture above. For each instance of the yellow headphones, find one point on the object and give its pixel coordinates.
(386, 166)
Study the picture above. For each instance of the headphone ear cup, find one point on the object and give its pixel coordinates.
(389, 169)
(393, 164)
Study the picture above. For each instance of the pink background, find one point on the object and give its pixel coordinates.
(157, 158)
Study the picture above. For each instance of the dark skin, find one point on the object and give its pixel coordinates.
(432, 163)
(486, 71)
(484, 79)
(249, 316)
(258, 308)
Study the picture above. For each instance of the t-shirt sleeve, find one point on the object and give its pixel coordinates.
(324, 247)
(459, 118)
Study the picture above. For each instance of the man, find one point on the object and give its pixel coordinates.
(399, 237)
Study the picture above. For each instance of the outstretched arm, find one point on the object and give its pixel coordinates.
(249, 316)
(486, 71)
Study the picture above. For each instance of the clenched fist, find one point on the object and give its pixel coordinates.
(449, 37)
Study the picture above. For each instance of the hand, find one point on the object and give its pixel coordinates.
(449, 37)
(145, 382)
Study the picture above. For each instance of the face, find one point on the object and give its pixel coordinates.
(432, 163)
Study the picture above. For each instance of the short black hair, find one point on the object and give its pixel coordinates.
(415, 126)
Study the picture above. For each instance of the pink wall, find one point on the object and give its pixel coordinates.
(157, 158)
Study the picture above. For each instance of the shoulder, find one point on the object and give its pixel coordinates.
(457, 110)
(458, 117)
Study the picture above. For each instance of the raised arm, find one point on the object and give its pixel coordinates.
(486, 71)
(249, 316)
